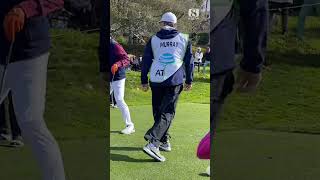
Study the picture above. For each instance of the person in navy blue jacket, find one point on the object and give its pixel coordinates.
(168, 58)
(118, 62)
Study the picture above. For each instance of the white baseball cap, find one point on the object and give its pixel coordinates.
(169, 17)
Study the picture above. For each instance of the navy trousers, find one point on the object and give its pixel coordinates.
(164, 103)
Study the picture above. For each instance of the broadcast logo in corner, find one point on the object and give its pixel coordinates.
(194, 14)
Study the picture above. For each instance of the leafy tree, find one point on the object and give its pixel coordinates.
(139, 18)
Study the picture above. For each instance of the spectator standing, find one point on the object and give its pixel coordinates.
(198, 55)
(207, 59)
(305, 11)
(281, 6)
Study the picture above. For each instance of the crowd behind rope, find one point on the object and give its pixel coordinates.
(201, 59)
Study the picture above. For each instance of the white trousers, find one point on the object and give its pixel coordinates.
(118, 87)
(27, 82)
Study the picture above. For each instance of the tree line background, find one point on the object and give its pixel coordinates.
(133, 22)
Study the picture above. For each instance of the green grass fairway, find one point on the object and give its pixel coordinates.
(75, 113)
(128, 160)
(84, 159)
(266, 155)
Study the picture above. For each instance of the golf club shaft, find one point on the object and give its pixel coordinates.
(8, 58)
(10, 53)
(112, 99)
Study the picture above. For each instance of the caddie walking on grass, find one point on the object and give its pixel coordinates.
(168, 57)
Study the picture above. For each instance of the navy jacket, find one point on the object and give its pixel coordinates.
(33, 41)
(118, 56)
(178, 77)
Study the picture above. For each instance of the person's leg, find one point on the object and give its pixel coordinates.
(5, 136)
(284, 20)
(274, 8)
(223, 54)
(254, 14)
(27, 80)
(119, 89)
(4, 90)
(3, 123)
(15, 129)
(151, 149)
(317, 7)
(285, 17)
(166, 114)
(220, 53)
(172, 106)
(221, 87)
(304, 12)
(203, 68)
(157, 97)
(272, 15)
(114, 100)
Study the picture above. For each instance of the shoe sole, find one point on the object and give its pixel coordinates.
(133, 131)
(15, 145)
(152, 155)
(164, 149)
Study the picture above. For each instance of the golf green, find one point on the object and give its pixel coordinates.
(266, 155)
(82, 158)
(128, 160)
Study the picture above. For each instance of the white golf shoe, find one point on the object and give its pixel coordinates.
(208, 171)
(154, 152)
(165, 146)
(128, 130)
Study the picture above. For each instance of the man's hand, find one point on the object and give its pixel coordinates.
(187, 87)
(114, 69)
(13, 23)
(246, 81)
(145, 87)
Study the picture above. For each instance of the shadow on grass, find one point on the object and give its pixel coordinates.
(126, 148)
(204, 175)
(125, 158)
(201, 79)
(293, 57)
(115, 132)
(3, 146)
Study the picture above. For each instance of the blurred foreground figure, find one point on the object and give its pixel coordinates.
(254, 18)
(24, 54)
